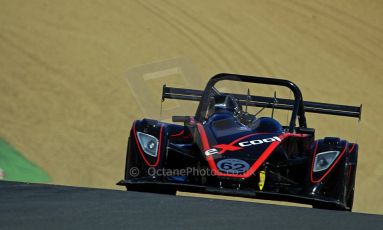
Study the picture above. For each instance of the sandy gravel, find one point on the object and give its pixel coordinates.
(65, 100)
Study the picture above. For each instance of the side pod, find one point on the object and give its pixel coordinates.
(332, 172)
(146, 148)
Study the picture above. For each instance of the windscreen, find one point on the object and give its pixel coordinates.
(237, 96)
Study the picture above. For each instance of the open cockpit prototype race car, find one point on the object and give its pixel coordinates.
(225, 150)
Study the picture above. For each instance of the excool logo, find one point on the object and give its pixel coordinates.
(232, 147)
(258, 142)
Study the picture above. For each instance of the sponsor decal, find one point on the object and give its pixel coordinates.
(233, 166)
(258, 142)
(222, 148)
(262, 178)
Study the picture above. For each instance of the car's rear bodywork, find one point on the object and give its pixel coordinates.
(230, 152)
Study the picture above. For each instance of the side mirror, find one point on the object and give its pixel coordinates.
(302, 130)
(181, 118)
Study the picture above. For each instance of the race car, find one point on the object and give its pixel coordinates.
(223, 149)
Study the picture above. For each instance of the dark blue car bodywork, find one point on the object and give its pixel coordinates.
(243, 155)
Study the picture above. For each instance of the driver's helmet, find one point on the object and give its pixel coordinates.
(226, 103)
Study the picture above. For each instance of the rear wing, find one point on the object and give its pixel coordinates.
(268, 102)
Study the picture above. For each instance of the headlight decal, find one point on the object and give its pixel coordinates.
(324, 160)
(144, 154)
(149, 143)
(328, 169)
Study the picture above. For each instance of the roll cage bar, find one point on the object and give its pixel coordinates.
(297, 106)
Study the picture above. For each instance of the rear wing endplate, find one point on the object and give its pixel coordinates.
(268, 102)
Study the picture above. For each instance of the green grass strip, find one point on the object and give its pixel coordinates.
(15, 167)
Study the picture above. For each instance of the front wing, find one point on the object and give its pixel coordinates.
(246, 192)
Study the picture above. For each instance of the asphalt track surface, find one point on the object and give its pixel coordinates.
(36, 206)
